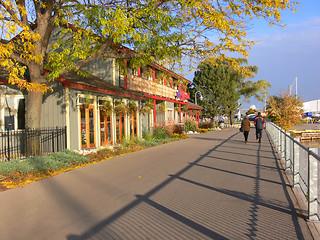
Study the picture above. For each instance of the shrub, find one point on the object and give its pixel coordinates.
(160, 133)
(190, 125)
(101, 154)
(179, 129)
(7, 168)
(206, 125)
(149, 143)
(147, 136)
(42, 163)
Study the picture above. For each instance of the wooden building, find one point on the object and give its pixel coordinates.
(105, 106)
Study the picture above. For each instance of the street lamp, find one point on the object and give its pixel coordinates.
(195, 96)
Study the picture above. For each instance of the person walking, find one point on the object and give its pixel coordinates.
(259, 123)
(245, 124)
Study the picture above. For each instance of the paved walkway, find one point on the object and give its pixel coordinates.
(209, 186)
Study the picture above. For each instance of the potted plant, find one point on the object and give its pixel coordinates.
(120, 107)
(106, 107)
(85, 102)
(132, 107)
(162, 107)
(148, 106)
(175, 83)
(185, 108)
(191, 113)
(170, 82)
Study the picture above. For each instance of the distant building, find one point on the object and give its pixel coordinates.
(312, 107)
(244, 110)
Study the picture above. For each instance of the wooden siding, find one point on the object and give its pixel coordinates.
(54, 107)
(74, 119)
(144, 122)
(102, 69)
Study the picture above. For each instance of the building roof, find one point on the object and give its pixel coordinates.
(93, 83)
(194, 106)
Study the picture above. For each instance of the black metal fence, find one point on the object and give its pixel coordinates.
(30, 142)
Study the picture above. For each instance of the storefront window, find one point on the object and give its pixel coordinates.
(105, 128)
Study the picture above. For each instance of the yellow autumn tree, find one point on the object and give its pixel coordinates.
(155, 30)
(285, 109)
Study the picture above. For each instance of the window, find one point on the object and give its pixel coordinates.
(120, 127)
(170, 114)
(133, 124)
(105, 128)
(87, 118)
(13, 114)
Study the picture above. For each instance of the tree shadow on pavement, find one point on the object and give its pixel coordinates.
(147, 218)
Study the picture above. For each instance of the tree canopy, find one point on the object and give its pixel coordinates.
(222, 81)
(285, 109)
(151, 30)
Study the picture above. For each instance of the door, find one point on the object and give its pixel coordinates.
(87, 127)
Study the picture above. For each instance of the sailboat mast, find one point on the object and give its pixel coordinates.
(296, 86)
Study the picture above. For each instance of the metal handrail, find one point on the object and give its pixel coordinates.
(304, 167)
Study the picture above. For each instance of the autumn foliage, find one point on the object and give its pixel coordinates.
(285, 109)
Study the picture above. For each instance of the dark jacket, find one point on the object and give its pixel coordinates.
(259, 122)
(246, 125)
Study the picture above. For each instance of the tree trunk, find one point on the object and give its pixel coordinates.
(33, 114)
(33, 109)
(231, 117)
(213, 122)
(33, 118)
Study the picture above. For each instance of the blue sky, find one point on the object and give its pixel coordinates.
(284, 54)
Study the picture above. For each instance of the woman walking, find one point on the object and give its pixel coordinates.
(245, 124)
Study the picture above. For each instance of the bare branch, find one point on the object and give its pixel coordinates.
(24, 17)
(9, 10)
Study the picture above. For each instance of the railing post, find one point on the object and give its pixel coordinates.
(8, 138)
(52, 136)
(65, 138)
(296, 161)
(279, 140)
(313, 187)
(291, 151)
(285, 148)
(287, 151)
(282, 144)
(57, 134)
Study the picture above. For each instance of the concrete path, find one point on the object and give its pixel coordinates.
(209, 186)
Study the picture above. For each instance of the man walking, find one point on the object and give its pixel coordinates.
(245, 124)
(259, 123)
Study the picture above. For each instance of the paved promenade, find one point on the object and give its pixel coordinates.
(209, 186)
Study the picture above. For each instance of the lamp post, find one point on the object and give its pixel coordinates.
(195, 96)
